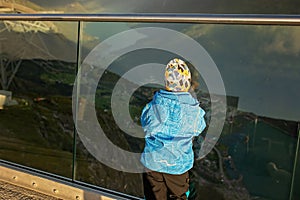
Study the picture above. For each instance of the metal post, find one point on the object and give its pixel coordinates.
(254, 132)
(295, 163)
(78, 61)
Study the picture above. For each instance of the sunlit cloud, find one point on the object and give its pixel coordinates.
(285, 41)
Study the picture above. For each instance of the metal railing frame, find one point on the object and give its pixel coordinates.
(246, 19)
(238, 19)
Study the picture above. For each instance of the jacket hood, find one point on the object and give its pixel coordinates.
(182, 97)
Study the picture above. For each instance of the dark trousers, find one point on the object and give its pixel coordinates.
(161, 186)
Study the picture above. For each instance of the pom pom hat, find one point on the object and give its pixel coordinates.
(177, 76)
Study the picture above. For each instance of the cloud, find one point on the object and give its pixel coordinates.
(88, 6)
(177, 6)
(285, 40)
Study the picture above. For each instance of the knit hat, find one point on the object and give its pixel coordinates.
(177, 76)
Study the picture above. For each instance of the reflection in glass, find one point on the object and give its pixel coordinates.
(255, 155)
(37, 72)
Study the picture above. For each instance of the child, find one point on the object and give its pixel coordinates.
(170, 121)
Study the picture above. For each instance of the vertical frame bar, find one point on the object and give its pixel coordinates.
(295, 163)
(77, 71)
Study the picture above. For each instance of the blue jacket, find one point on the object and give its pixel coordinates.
(170, 121)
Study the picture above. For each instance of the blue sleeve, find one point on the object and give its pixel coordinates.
(153, 118)
(145, 119)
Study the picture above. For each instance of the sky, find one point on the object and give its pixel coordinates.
(173, 6)
(258, 64)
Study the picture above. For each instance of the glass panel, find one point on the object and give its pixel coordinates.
(154, 6)
(259, 66)
(37, 73)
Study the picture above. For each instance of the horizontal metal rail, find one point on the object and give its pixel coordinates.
(28, 171)
(247, 19)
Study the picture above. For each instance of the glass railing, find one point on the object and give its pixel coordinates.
(73, 88)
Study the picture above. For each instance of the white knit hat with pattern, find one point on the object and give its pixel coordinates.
(177, 76)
